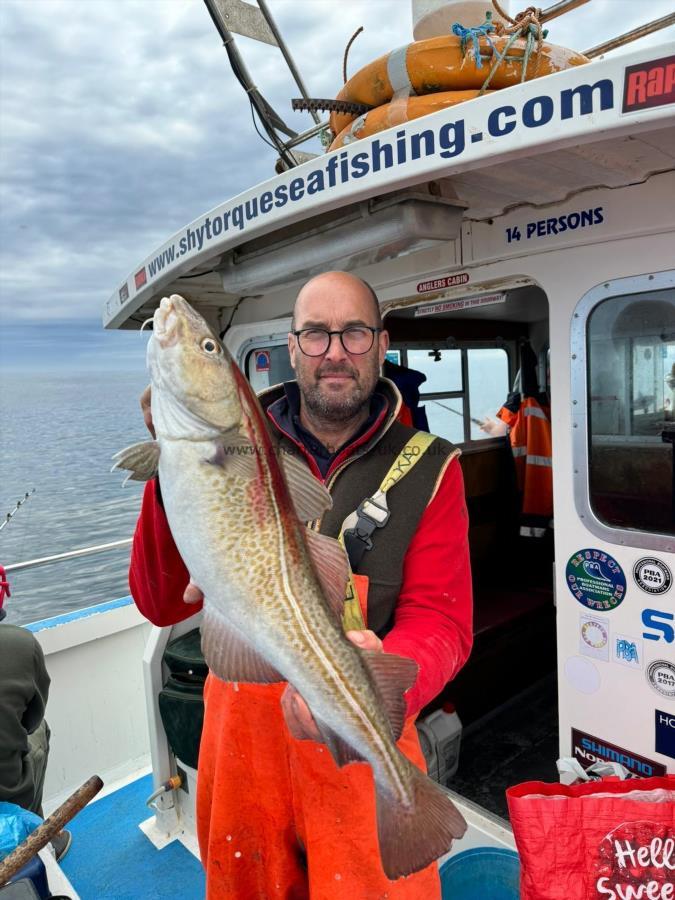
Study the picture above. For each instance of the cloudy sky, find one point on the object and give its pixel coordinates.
(120, 122)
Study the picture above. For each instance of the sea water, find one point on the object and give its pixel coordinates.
(57, 435)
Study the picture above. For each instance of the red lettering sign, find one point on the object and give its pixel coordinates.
(437, 284)
(649, 84)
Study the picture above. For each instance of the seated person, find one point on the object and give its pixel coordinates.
(24, 733)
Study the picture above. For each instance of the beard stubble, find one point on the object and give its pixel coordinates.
(342, 406)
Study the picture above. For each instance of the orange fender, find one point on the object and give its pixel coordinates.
(438, 64)
(399, 111)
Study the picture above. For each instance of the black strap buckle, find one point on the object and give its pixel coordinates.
(370, 515)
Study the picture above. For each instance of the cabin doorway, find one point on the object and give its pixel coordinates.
(506, 695)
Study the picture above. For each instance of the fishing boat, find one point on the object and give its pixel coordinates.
(537, 215)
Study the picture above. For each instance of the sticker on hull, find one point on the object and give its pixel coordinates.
(588, 749)
(649, 84)
(596, 580)
(652, 575)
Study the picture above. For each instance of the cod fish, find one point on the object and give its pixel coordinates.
(274, 589)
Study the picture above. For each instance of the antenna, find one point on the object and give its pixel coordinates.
(236, 17)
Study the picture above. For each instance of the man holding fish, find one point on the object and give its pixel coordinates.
(313, 672)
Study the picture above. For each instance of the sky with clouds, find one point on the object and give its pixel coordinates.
(121, 121)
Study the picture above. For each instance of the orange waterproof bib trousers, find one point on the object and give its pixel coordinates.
(278, 819)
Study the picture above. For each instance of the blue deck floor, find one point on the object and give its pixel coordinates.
(111, 859)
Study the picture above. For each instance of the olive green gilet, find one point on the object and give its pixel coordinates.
(359, 477)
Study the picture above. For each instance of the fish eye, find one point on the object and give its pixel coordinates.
(208, 345)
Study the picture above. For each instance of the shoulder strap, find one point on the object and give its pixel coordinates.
(373, 512)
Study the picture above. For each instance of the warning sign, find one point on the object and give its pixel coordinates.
(262, 360)
(434, 309)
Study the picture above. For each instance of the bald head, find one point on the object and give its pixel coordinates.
(331, 288)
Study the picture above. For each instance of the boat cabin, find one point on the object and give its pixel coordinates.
(553, 236)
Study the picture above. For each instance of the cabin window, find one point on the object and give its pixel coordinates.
(631, 420)
(268, 365)
(488, 385)
(461, 385)
(442, 393)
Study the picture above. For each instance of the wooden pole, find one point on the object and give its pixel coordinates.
(51, 826)
(559, 8)
(633, 35)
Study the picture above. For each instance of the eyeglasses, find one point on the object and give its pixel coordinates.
(357, 339)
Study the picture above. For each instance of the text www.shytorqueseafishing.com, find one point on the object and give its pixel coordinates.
(448, 141)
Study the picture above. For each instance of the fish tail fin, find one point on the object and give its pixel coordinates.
(412, 837)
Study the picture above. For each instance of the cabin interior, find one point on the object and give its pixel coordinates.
(512, 667)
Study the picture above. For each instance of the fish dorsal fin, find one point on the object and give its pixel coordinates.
(393, 675)
(310, 498)
(331, 566)
(141, 460)
(229, 656)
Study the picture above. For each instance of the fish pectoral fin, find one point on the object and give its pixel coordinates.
(229, 656)
(342, 752)
(236, 453)
(393, 675)
(331, 566)
(141, 460)
(310, 498)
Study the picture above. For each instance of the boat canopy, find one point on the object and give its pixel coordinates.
(608, 124)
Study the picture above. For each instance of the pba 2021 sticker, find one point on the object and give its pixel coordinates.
(596, 580)
(652, 575)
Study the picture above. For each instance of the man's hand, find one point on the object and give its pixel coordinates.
(299, 719)
(147, 415)
(192, 594)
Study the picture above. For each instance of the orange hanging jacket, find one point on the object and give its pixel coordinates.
(532, 448)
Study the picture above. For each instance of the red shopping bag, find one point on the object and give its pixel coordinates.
(601, 840)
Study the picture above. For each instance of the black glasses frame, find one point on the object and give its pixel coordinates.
(329, 334)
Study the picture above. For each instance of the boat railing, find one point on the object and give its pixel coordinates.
(69, 554)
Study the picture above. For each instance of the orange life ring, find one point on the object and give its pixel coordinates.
(399, 111)
(438, 64)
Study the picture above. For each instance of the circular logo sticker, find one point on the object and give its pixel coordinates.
(594, 634)
(596, 580)
(652, 575)
(661, 676)
(582, 674)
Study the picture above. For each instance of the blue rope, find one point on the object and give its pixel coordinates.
(474, 35)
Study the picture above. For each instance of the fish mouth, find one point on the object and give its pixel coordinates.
(165, 321)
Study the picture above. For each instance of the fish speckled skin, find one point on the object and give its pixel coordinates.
(266, 616)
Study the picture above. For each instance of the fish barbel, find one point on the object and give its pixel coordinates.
(274, 589)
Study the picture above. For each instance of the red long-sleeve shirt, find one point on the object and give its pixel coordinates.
(433, 617)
